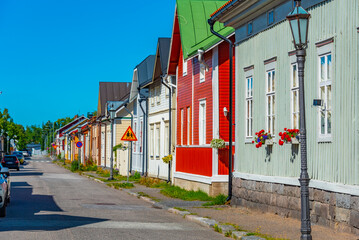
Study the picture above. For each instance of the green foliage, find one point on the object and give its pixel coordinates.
(228, 233)
(218, 143)
(167, 159)
(74, 166)
(177, 192)
(136, 176)
(217, 228)
(153, 182)
(121, 185)
(218, 200)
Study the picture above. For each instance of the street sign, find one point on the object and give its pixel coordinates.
(129, 135)
(79, 144)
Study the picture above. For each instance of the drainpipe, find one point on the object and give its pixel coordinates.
(144, 140)
(211, 23)
(170, 123)
(201, 59)
(130, 152)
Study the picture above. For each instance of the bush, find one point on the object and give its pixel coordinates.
(152, 182)
(74, 166)
(177, 192)
(136, 176)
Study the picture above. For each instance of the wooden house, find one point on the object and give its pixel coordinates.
(200, 63)
(265, 58)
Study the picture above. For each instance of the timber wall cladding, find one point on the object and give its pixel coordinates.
(184, 95)
(202, 90)
(336, 161)
(223, 78)
(194, 160)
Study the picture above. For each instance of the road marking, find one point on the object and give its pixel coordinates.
(96, 223)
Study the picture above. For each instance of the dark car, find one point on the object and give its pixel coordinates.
(11, 161)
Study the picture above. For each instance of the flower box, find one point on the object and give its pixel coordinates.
(295, 140)
(269, 142)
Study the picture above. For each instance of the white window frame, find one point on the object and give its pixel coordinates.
(151, 140)
(135, 143)
(270, 94)
(202, 73)
(141, 135)
(182, 135)
(158, 140)
(158, 97)
(294, 90)
(202, 122)
(166, 142)
(325, 51)
(248, 100)
(189, 130)
(184, 68)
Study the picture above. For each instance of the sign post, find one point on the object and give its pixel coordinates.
(129, 136)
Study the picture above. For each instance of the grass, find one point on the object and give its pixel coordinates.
(266, 236)
(153, 183)
(218, 200)
(181, 209)
(217, 228)
(177, 192)
(121, 185)
(142, 194)
(228, 234)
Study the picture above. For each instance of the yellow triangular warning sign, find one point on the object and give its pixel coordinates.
(129, 135)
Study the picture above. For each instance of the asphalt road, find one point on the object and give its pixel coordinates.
(49, 202)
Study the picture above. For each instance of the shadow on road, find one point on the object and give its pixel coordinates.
(23, 212)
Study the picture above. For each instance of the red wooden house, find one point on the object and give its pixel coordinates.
(200, 62)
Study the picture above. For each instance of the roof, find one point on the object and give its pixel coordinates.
(112, 91)
(226, 5)
(194, 28)
(145, 70)
(161, 60)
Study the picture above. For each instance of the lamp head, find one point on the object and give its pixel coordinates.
(225, 111)
(299, 23)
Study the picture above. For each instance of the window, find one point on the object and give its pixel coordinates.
(249, 106)
(158, 144)
(189, 125)
(202, 72)
(184, 67)
(325, 93)
(270, 100)
(270, 17)
(151, 140)
(152, 96)
(158, 95)
(182, 136)
(141, 127)
(249, 28)
(294, 95)
(167, 139)
(202, 122)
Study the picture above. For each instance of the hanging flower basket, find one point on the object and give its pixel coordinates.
(218, 143)
(262, 137)
(167, 159)
(289, 136)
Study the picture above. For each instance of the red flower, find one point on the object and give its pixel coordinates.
(280, 142)
(260, 144)
(282, 137)
(285, 129)
(257, 146)
(280, 134)
(252, 141)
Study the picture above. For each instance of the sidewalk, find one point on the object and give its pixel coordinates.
(229, 220)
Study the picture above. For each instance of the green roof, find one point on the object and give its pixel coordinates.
(195, 31)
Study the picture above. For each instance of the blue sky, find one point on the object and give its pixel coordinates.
(54, 53)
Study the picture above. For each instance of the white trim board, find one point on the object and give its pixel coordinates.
(200, 178)
(327, 186)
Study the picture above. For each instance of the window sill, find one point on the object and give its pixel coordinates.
(324, 139)
(201, 81)
(248, 140)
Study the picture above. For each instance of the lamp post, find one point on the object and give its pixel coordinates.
(112, 110)
(299, 22)
(79, 149)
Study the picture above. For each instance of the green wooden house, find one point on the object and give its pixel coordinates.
(267, 98)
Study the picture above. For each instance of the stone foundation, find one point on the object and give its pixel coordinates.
(336, 210)
(211, 189)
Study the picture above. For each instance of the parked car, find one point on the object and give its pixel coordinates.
(4, 189)
(19, 156)
(11, 161)
(25, 153)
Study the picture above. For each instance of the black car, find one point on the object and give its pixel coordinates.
(11, 161)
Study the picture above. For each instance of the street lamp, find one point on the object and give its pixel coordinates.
(299, 22)
(112, 110)
(79, 149)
